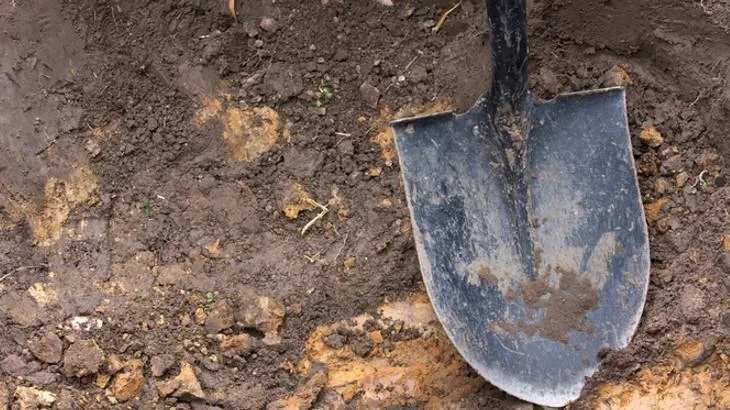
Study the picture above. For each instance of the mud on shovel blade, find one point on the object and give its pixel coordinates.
(528, 224)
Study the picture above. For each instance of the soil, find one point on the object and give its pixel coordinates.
(161, 159)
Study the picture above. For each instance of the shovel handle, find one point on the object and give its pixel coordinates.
(508, 40)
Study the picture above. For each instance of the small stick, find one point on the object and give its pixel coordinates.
(442, 20)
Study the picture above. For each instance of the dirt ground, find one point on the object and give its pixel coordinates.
(161, 159)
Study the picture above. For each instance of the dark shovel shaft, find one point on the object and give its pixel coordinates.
(508, 39)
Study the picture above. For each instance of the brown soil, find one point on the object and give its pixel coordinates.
(161, 159)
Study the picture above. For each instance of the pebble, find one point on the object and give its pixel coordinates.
(651, 137)
(672, 164)
(128, 383)
(14, 365)
(220, 317)
(82, 358)
(48, 349)
(370, 94)
(242, 344)
(258, 43)
(160, 364)
(662, 186)
(265, 315)
(682, 179)
(340, 55)
(269, 25)
(184, 386)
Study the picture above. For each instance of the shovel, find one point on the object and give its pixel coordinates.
(528, 224)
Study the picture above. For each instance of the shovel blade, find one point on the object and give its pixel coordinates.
(534, 329)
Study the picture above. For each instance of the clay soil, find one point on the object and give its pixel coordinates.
(160, 159)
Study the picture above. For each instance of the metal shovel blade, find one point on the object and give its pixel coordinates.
(530, 231)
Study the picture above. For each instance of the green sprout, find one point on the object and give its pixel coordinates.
(210, 297)
(325, 93)
(146, 208)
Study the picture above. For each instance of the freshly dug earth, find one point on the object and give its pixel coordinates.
(162, 161)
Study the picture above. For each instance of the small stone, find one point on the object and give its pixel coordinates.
(370, 94)
(662, 186)
(20, 308)
(242, 344)
(265, 315)
(113, 365)
(306, 394)
(220, 317)
(651, 137)
(152, 124)
(335, 340)
(48, 349)
(14, 365)
(418, 74)
(269, 25)
(672, 164)
(258, 43)
(160, 364)
(200, 316)
(682, 179)
(707, 160)
(340, 55)
(28, 398)
(692, 303)
(429, 23)
(184, 386)
(129, 382)
(92, 147)
(42, 378)
(82, 358)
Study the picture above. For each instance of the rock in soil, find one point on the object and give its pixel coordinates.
(242, 345)
(42, 378)
(651, 137)
(129, 382)
(30, 398)
(219, 317)
(160, 364)
(48, 348)
(185, 386)
(21, 309)
(370, 94)
(265, 315)
(82, 358)
(14, 365)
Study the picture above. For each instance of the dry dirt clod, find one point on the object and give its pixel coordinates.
(48, 349)
(616, 77)
(4, 396)
(21, 309)
(220, 317)
(129, 382)
(30, 398)
(265, 315)
(184, 386)
(370, 94)
(14, 365)
(160, 364)
(651, 137)
(82, 358)
(242, 344)
(306, 394)
(269, 25)
(682, 179)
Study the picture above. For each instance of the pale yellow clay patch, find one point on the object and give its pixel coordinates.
(384, 138)
(425, 370)
(683, 381)
(43, 293)
(249, 131)
(61, 197)
(295, 200)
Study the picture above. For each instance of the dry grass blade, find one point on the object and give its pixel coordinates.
(442, 20)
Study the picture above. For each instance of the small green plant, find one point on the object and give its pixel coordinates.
(210, 297)
(146, 208)
(325, 93)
